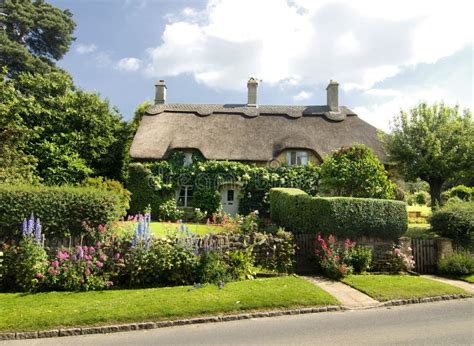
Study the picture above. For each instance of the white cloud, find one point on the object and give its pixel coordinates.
(302, 96)
(308, 42)
(380, 114)
(129, 64)
(83, 48)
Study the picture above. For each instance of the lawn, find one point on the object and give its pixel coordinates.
(425, 210)
(161, 229)
(67, 309)
(389, 287)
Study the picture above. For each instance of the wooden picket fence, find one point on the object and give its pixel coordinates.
(424, 253)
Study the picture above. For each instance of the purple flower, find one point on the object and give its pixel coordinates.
(31, 225)
(80, 252)
(24, 231)
(38, 231)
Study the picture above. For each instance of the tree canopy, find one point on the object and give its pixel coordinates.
(356, 172)
(434, 143)
(34, 36)
(68, 132)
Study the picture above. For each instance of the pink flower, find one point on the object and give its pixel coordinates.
(39, 276)
(103, 257)
(91, 250)
(397, 251)
(62, 255)
(55, 264)
(88, 272)
(85, 248)
(110, 283)
(88, 263)
(53, 272)
(117, 256)
(87, 257)
(98, 244)
(99, 264)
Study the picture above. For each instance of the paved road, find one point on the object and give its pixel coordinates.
(450, 322)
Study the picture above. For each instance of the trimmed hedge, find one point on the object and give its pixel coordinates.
(344, 217)
(455, 221)
(62, 210)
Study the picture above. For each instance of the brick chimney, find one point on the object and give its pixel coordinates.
(160, 92)
(333, 96)
(252, 85)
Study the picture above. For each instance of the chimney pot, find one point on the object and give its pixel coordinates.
(333, 96)
(252, 85)
(160, 92)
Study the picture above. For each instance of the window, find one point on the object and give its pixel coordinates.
(188, 159)
(185, 197)
(230, 195)
(297, 157)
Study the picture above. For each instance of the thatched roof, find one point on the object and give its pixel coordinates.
(243, 133)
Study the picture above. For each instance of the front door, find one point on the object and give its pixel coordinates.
(229, 199)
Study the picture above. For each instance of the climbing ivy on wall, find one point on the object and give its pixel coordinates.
(152, 183)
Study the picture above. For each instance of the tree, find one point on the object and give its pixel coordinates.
(15, 165)
(73, 133)
(434, 143)
(33, 35)
(357, 172)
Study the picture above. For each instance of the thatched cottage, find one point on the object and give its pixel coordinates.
(261, 134)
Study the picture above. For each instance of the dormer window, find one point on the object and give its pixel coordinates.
(188, 159)
(297, 157)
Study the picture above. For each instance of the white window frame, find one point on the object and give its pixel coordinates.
(186, 188)
(301, 157)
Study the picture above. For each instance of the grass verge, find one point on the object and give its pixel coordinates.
(27, 312)
(390, 287)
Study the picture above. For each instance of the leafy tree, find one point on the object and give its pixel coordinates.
(35, 34)
(74, 134)
(433, 143)
(15, 165)
(356, 172)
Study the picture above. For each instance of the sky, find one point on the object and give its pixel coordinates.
(386, 55)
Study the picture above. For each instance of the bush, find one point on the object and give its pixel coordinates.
(241, 264)
(332, 261)
(168, 211)
(345, 217)
(24, 266)
(213, 268)
(422, 198)
(459, 263)
(111, 185)
(361, 258)
(462, 192)
(455, 221)
(62, 210)
(356, 172)
(276, 251)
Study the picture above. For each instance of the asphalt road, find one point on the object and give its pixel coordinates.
(441, 323)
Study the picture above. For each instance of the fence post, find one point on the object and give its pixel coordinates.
(444, 248)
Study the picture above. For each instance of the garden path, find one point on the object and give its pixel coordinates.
(348, 296)
(458, 283)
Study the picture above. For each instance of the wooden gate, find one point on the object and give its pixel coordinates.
(304, 257)
(424, 253)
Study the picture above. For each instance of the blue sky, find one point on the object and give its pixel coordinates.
(385, 55)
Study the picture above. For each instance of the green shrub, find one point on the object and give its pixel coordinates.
(462, 192)
(422, 197)
(168, 211)
(361, 258)
(345, 217)
(213, 268)
(111, 185)
(241, 264)
(455, 221)
(459, 263)
(62, 210)
(276, 251)
(355, 171)
(24, 265)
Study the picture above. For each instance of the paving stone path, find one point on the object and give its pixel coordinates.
(348, 296)
(458, 283)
